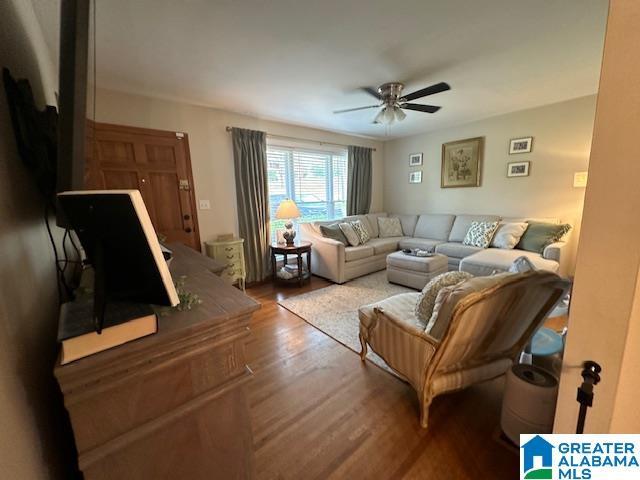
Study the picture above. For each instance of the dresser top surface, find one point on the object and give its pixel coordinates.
(221, 305)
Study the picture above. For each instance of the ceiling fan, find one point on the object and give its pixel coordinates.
(393, 101)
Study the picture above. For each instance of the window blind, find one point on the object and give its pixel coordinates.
(316, 180)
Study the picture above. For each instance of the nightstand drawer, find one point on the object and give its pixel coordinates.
(230, 257)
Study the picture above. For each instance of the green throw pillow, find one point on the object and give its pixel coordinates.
(538, 235)
(333, 232)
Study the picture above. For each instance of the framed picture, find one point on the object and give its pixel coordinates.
(518, 169)
(461, 163)
(520, 145)
(415, 159)
(415, 177)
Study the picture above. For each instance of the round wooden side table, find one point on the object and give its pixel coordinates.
(303, 272)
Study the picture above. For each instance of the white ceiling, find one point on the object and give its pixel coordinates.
(296, 61)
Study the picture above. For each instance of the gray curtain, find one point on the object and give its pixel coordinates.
(359, 181)
(250, 159)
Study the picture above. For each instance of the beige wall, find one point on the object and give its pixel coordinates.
(562, 137)
(31, 414)
(211, 151)
(605, 315)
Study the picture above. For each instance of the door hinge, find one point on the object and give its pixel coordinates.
(183, 184)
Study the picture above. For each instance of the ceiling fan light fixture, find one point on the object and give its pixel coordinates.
(379, 117)
(389, 115)
(400, 115)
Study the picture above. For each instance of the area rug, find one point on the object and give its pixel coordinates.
(334, 309)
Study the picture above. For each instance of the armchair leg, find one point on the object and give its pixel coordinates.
(363, 352)
(425, 403)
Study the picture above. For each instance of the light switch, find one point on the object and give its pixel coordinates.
(580, 179)
(205, 205)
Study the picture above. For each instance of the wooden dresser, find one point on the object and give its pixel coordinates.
(164, 406)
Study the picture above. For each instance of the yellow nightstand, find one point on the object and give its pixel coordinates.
(230, 252)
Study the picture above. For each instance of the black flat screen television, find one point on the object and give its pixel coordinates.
(120, 243)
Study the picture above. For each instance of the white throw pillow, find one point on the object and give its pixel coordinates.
(427, 299)
(480, 234)
(350, 233)
(508, 234)
(361, 231)
(389, 227)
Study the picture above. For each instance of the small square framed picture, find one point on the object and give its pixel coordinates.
(520, 145)
(518, 169)
(415, 159)
(415, 177)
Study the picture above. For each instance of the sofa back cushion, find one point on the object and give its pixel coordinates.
(462, 224)
(389, 227)
(408, 223)
(434, 226)
(372, 218)
(362, 218)
(531, 219)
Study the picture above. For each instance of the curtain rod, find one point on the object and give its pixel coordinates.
(302, 139)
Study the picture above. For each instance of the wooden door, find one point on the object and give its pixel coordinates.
(155, 162)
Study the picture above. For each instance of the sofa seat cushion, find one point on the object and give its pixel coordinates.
(357, 253)
(384, 245)
(422, 243)
(400, 308)
(456, 250)
(487, 261)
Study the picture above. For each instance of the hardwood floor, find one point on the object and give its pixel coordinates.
(318, 412)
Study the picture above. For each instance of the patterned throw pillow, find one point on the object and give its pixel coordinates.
(349, 232)
(361, 231)
(427, 299)
(389, 227)
(480, 234)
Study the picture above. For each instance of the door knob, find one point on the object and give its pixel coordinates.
(187, 217)
(188, 230)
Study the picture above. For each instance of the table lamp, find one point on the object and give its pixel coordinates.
(288, 210)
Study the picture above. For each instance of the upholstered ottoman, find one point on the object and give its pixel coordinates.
(412, 271)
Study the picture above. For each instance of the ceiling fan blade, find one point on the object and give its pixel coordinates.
(372, 91)
(420, 108)
(437, 88)
(355, 109)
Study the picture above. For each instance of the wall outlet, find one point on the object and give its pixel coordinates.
(205, 205)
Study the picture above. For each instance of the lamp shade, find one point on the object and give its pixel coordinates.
(287, 209)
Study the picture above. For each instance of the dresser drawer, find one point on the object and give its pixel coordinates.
(230, 257)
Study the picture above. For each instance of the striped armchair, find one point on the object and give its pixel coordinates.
(478, 328)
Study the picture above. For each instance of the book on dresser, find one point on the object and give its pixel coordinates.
(123, 322)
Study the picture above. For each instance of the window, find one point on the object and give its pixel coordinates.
(316, 180)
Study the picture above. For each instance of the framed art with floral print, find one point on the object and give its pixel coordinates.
(461, 163)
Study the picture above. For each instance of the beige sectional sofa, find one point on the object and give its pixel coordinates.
(444, 233)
